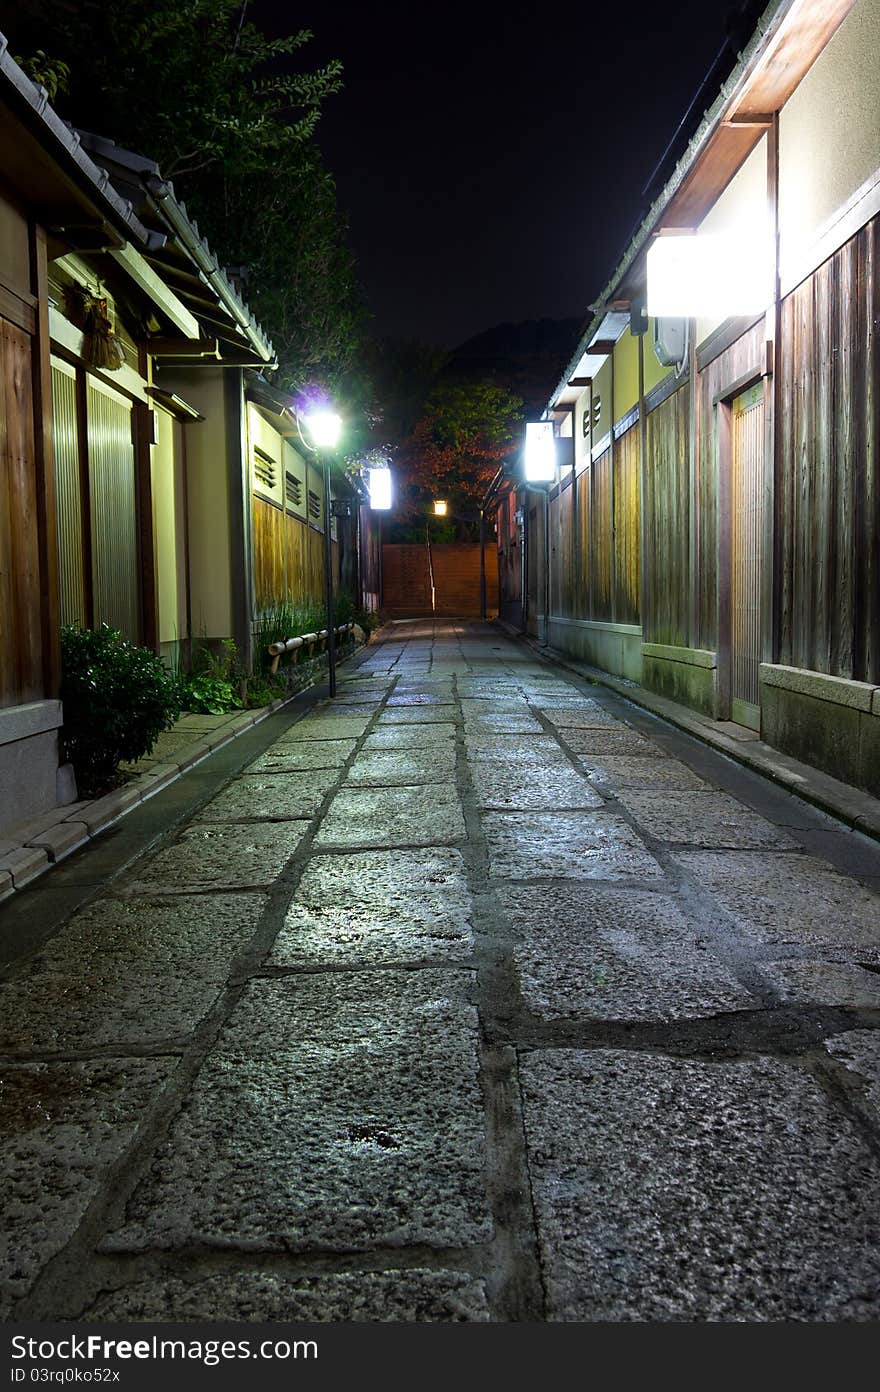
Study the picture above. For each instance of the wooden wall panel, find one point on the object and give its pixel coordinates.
(562, 575)
(627, 527)
(288, 557)
(270, 582)
(407, 584)
(582, 605)
(114, 513)
(828, 500)
(68, 493)
(21, 660)
(667, 521)
(602, 541)
(746, 355)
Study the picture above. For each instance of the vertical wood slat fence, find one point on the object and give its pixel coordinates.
(828, 489)
(21, 655)
(288, 557)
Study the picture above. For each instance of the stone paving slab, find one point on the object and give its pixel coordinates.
(288, 757)
(502, 724)
(596, 740)
(429, 883)
(423, 815)
(532, 785)
(223, 856)
(62, 1125)
(416, 715)
(408, 736)
(703, 819)
(271, 797)
(325, 727)
(619, 771)
(787, 898)
(394, 767)
(669, 1189)
(827, 983)
(580, 716)
(859, 1050)
(506, 750)
(565, 845)
(374, 907)
(594, 952)
(405, 697)
(477, 709)
(126, 972)
(339, 1112)
(410, 1296)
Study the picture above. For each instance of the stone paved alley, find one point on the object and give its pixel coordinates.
(478, 994)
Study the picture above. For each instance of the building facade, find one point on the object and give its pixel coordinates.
(715, 533)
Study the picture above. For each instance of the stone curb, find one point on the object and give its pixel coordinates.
(853, 806)
(52, 836)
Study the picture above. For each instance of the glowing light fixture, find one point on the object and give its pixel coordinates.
(439, 508)
(708, 275)
(324, 428)
(380, 489)
(540, 455)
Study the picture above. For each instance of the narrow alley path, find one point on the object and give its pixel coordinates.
(479, 994)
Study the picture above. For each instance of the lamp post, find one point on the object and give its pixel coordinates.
(324, 427)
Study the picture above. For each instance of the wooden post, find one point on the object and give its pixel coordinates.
(142, 429)
(44, 470)
(771, 596)
(644, 560)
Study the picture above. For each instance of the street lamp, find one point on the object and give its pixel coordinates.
(439, 508)
(324, 428)
(540, 452)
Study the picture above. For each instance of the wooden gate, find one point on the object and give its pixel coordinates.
(746, 548)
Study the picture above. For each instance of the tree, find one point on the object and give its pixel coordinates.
(230, 116)
(457, 445)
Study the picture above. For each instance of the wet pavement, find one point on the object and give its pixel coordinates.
(477, 994)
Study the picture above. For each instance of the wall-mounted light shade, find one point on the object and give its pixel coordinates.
(324, 428)
(439, 508)
(704, 276)
(380, 489)
(540, 455)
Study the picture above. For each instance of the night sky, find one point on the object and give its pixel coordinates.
(492, 168)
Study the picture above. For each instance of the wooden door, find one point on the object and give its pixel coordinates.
(746, 553)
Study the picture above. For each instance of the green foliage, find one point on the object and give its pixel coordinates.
(286, 619)
(464, 433)
(212, 687)
(117, 700)
(230, 115)
(48, 72)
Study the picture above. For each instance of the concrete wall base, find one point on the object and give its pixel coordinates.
(28, 760)
(686, 675)
(829, 722)
(616, 648)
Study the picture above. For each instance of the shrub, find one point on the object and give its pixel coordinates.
(118, 698)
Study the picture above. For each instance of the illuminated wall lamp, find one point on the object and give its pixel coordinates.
(540, 452)
(380, 489)
(439, 508)
(704, 276)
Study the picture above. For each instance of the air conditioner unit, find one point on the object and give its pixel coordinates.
(671, 341)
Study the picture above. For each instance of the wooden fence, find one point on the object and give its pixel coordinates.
(406, 580)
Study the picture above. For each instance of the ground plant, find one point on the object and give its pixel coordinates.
(117, 699)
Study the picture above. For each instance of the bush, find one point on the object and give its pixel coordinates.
(118, 699)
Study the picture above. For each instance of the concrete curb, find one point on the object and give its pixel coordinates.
(29, 850)
(853, 806)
